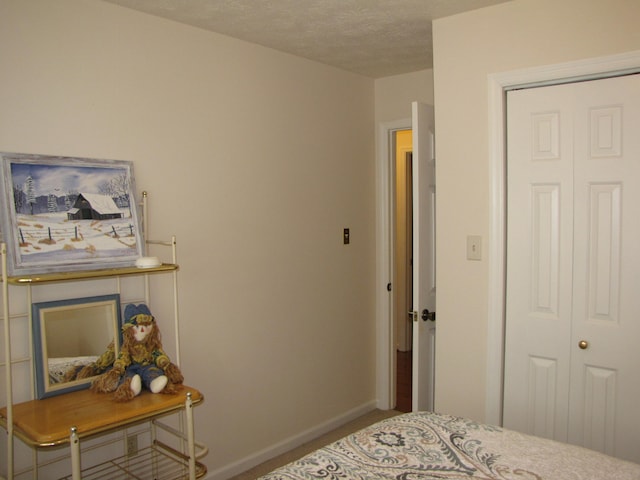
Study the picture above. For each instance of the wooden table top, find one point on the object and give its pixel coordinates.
(48, 422)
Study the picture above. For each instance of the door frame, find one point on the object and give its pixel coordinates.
(385, 348)
(499, 84)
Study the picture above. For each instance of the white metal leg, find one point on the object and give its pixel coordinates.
(191, 445)
(7, 361)
(74, 442)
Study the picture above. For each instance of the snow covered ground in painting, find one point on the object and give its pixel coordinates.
(52, 238)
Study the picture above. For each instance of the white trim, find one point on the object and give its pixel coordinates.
(496, 253)
(601, 67)
(384, 265)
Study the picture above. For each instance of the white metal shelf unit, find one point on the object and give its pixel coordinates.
(186, 453)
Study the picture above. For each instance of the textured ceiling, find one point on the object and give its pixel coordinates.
(375, 38)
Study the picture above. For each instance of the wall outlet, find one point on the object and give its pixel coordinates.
(132, 445)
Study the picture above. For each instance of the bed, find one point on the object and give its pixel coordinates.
(431, 446)
(61, 367)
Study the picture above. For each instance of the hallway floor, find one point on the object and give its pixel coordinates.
(403, 381)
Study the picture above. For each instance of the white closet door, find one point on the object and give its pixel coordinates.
(539, 261)
(573, 315)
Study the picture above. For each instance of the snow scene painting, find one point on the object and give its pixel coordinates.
(63, 214)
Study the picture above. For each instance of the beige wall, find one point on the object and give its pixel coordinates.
(395, 94)
(468, 48)
(256, 161)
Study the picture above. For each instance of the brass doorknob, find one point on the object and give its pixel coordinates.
(583, 344)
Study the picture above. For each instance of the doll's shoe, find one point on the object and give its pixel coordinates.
(158, 384)
(136, 385)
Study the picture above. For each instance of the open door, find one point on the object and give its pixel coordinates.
(424, 288)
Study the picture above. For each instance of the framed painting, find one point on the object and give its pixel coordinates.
(74, 341)
(62, 214)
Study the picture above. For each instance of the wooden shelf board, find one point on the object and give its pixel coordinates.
(47, 422)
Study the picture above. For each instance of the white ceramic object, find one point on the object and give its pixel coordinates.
(148, 262)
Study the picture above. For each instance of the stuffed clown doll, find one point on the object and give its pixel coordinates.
(141, 362)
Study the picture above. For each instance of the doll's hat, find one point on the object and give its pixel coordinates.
(132, 311)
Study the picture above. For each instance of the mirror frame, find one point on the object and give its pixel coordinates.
(40, 311)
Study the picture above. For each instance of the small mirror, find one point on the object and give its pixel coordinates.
(69, 335)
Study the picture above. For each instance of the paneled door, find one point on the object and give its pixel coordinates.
(572, 353)
(424, 260)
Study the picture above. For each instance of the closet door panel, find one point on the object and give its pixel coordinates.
(573, 310)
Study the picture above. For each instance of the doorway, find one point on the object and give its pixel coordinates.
(403, 271)
(423, 348)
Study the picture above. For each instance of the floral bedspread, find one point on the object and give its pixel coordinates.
(431, 446)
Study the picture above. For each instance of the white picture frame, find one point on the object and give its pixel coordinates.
(63, 214)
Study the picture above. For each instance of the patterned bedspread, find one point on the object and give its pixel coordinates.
(430, 446)
(59, 366)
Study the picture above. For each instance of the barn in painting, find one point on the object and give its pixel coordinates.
(90, 206)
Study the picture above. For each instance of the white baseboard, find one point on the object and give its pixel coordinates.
(287, 444)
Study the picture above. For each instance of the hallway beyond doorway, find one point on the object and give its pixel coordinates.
(403, 381)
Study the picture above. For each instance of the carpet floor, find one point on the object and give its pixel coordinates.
(292, 455)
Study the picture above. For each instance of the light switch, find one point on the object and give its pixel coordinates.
(345, 236)
(474, 247)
